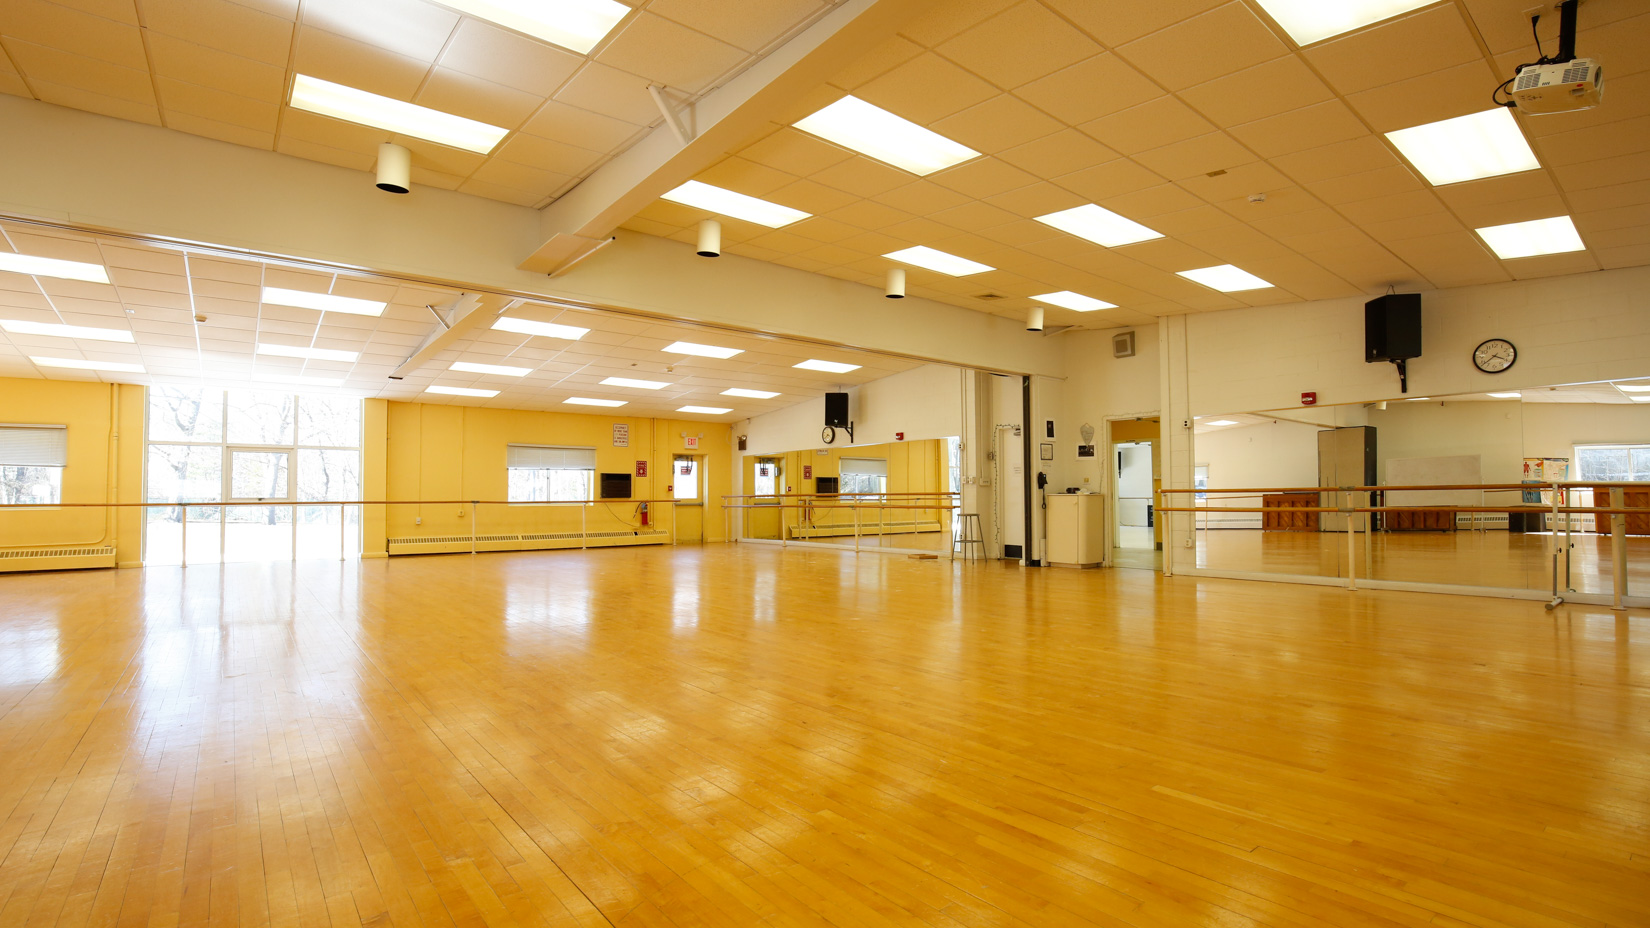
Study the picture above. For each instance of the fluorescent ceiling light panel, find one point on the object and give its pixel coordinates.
(587, 401)
(1640, 399)
(705, 410)
(19, 327)
(1074, 301)
(1553, 236)
(1099, 225)
(703, 351)
(300, 351)
(300, 380)
(1225, 278)
(1450, 151)
(768, 395)
(572, 24)
(370, 109)
(461, 391)
(547, 329)
(1309, 21)
(638, 384)
(737, 205)
(52, 267)
(78, 365)
(935, 260)
(1417, 399)
(1633, 387)
(877, 133)
(1221, 422)
(470, 367)
(829, 367)
(1506, 396)
(326, 302)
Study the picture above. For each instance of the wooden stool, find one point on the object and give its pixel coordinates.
(968, 534)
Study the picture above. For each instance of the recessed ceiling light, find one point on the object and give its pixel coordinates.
(53, 267)
(737, 205)
(1450, 151)
(1416, 399)
(587, 401)
(1640, 399)
(370, 109)
(705, 410)
(1553, 236)
(877, 133)
(829, 367)
(114, 367)
(20, 327)
(756, 394)
(1505, 396)
(326, 302)
(703, 351)
(1309, 21)
(460, 391)
(1099, 225)
(547, 329)
(1073, 301)
(572, 24)
(638, 384)
(1221, 422)
(313, 354)
(1634, 387)
(936, 260)
(299, 380)
(470, 367)
(1225, 278)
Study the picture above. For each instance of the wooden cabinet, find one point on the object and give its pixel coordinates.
(1076, 529)
(1421, 520)
(1285, 512)
(1632, 498)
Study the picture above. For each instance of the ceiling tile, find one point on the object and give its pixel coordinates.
(1196, 157)
(547, 155)
(1432, 39)
(1111, 179)
(501, 56)
(877, 62)
(862, 176)
(941, 21)
(208, 67)
(926, 89)
(404, 27)
(1117, 23)
(195, 100)
(611, 92)
(1240, 181)
(669, 53)
(1021, 44)
(342, 60)
(222, 131)
(923, 198)
(811, 197)
(1069, 94)
(101, 104)
(983, 177)
(747, 177)
(1149, 125)
(1365, 185)
(999, 123)
(749, 27)
(795, 152)
(1365, 153)
(55, 25)
(94, 75)
(1299, 130)
(1226, 39)
(1445, 94)
(464, 95)
(1268, 89)
(580, 128)
(227, 27)
(1061, 153)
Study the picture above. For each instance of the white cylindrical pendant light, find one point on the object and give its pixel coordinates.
(710, 239)
(895, 289)
(394, 168)
(1034, 321)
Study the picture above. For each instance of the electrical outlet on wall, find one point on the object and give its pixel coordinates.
(418, 520)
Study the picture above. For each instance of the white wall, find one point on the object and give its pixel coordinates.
(1552, 430)
(924, 402)
(1279, 453)
(1099, 387)
(1492, 430)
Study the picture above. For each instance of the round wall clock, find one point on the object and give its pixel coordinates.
(827, 435)
(1494, 355)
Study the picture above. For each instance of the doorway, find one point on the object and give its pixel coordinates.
(1137, 532)
(687, 489)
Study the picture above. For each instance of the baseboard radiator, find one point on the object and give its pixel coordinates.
(460, 544)
(56, 559)
(865, 528)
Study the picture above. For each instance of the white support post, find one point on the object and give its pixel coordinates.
(1618, 547)
(1351, 545)
(184, 552)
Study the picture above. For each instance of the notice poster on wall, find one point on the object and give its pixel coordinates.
(641, 468)
(807, 472)
(621, 434)
(1544, 470)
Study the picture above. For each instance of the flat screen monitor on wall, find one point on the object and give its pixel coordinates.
(615, 486)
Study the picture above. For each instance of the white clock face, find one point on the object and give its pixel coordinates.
(1494, 356)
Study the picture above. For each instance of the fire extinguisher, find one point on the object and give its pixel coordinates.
(643, 510)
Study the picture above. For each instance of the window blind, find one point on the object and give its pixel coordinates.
(552, 457)
(34, 445)
(871, 467)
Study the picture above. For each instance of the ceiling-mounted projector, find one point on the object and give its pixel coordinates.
(1560, 84)
(1559, 88)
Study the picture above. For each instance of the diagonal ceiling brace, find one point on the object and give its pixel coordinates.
(468, 312)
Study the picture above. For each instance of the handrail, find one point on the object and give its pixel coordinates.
(1543, 485)
(341, 502)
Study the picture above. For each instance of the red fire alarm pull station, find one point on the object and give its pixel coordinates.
(899, 436)
(807, 472)
(1309, 399)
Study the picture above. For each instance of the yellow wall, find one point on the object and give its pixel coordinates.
(913, 467)
(105, 463)
(437, 452)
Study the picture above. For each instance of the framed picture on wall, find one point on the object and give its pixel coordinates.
(1085, 452)
(1046, 450)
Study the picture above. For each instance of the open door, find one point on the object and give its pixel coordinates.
(688, 491)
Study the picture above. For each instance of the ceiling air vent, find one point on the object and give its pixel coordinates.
(988, 297)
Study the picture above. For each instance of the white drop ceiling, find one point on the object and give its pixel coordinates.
(1173, 114)
(157, 293)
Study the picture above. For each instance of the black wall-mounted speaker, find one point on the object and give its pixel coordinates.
(1392, 327)
(836, 410)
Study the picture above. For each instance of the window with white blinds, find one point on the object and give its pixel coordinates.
(863, 476)
(34, 445)
(551, 457)
(869, 467)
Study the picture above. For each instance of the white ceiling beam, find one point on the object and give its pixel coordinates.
(464, 315)
(672, 153)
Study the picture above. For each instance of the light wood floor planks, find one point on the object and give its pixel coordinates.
(750, 736)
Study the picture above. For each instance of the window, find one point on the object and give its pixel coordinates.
(767, 478)
(1612, 463)
(953, 458)
(1200, 480)
(864, 476)
(685, 477)
(551, 474)
(31, 464)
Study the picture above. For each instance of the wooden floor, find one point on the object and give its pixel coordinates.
(751, 736)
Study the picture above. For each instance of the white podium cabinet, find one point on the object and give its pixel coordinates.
(1076, 529)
